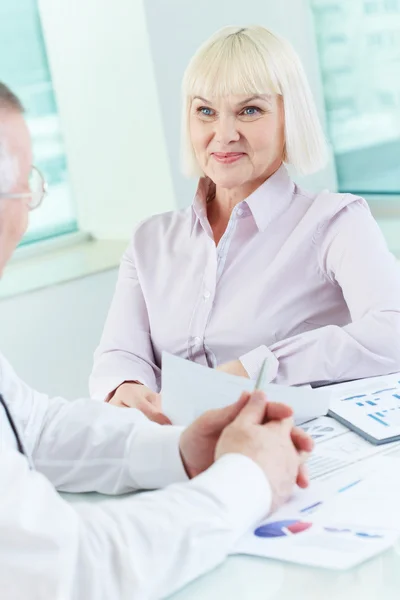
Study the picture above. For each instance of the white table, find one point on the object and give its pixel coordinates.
(251, 578)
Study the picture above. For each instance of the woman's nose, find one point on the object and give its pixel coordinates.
(226, 131)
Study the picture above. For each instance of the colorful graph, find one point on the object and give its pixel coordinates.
(282, 528)
(289, 527)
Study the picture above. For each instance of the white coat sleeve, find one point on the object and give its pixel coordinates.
(90, 446)
(140, 547)
(86, 446)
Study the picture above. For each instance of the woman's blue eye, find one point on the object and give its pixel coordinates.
(205, 111)
(251, 110)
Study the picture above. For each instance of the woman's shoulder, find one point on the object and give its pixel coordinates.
(345, 219)
(331, 203)
(325, 207)
(162, 223)
(343, 208)
(329, 216)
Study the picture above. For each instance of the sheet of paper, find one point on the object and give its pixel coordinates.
(343, 451)
(373, 501)
(308, 531)
(371, 407)
(189, 389)
(337, 448)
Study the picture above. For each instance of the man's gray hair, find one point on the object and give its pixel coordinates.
(9, 166)
(9, 100)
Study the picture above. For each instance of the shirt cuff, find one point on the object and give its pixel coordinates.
(102, 387)
(241, 486)
(155, 459)
(252, 361)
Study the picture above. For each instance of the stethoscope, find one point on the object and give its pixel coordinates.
(20, 445)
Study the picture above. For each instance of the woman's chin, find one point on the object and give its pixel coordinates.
(230, 180)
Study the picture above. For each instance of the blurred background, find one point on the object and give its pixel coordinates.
(101, 87)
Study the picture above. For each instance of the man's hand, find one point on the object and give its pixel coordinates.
(136, 395)
(278, 448)
(234, 367)
(198, 442)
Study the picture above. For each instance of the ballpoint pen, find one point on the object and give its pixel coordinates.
(261, 376)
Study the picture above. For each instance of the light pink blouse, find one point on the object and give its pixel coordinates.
(305, 280)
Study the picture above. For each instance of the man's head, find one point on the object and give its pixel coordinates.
(15, 168)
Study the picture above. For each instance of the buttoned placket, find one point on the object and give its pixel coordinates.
(213, 269)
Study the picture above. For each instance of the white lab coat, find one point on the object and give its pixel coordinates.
(139, 547)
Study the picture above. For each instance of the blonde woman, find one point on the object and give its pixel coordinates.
(256, 267)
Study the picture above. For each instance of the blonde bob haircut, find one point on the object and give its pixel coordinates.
(252, 61)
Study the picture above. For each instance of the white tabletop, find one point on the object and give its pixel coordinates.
(251, 578)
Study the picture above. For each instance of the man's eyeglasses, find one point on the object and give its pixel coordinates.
(38, 190)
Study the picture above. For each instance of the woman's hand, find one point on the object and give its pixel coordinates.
(234, 367)
(136, 395)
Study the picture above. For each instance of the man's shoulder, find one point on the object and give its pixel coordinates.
(20, 397)
(7, 373)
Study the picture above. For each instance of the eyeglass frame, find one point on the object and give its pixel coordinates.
(43, 193)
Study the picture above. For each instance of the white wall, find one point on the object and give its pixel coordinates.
(104, 83)
(177, 27)
(49, 336)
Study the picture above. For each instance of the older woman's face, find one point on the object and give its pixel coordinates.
(237, 139)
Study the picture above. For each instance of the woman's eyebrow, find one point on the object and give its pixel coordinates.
(264, 97)
(202, 100)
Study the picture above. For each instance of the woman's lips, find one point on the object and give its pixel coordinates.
(227, 157)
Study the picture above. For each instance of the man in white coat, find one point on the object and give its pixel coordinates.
(221, 475)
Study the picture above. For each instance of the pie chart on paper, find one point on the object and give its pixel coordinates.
(282, 528)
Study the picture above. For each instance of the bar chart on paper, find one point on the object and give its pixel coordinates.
(374, 414)
(382, 406)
